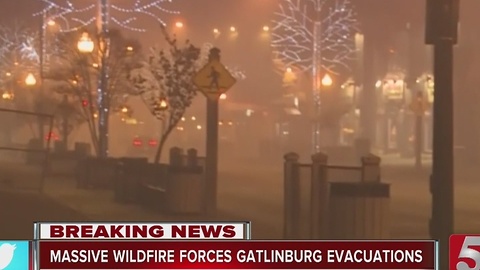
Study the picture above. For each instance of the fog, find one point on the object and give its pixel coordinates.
(265, 115)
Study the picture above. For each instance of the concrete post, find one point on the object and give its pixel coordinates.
(291, 195)
(176, 157)
(371, 169)
(192, 158)
(319, 196)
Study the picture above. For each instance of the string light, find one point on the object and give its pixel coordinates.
(294, 41)
(18, 49)
(70, 15)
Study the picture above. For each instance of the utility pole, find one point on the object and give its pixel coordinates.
(41, 62)
(103, 102)
(441, 32)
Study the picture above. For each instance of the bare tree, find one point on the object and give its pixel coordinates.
(76, 74)
(165, 83)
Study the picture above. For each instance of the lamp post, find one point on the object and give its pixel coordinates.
(86, 45)
(325, 83)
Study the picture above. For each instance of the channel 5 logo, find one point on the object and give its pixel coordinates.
(464, 252)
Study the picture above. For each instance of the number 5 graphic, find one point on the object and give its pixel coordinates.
(468, 253)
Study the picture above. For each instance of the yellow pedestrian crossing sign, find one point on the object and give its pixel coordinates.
(214, 79)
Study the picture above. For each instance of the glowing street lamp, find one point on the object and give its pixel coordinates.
(179, 24)
(163, 104)
(51, 23)
(233, 29)
(266, 28)
(130, 48)
(30, 80)
(85, 43)
(327, 80)
(124, 110)
(216, 31)
(223, 96)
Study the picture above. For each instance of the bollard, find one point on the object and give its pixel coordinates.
(319, 196)
(176, 159)
(291, 200)
(371, 168)
(192, 158)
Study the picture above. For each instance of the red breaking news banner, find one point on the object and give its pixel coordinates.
(237, 255)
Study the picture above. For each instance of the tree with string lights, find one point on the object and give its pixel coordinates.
(314, 36)
(75, 76)
(74, 18)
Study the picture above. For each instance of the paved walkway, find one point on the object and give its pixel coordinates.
(18, 211)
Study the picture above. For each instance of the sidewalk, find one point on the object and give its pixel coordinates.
(99, 205)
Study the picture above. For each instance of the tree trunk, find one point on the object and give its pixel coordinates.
(158, 155)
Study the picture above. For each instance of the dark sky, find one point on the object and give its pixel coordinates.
(249, 52)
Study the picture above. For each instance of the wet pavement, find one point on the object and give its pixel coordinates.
(18, 211)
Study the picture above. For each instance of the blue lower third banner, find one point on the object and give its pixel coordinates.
(15, 255)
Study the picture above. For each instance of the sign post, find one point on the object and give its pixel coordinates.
(212, 80)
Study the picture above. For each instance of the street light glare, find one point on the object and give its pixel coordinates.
(223, 96)
(129, 48)
(30, 80)
(327, 80)
(266, 28)
(215, 31)
(179, 24)
(85, 44)
(289, 70)
(51, 23)
(233, 29)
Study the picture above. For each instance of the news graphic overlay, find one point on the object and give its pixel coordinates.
(143, 231)
(237, 254)
(464, 252)
(15, 255)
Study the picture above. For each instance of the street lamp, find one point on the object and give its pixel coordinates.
(223, 96)
(163, 104)
(30, 80)
(266, 28)
(179, 24)
(327, 80)
(85, 43)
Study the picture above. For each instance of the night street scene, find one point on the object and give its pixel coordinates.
(312, 119)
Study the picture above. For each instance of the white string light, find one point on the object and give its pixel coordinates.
(71, 17)
(293, 38)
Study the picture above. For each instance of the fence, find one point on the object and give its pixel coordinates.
(23, 151)
(326, 201)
